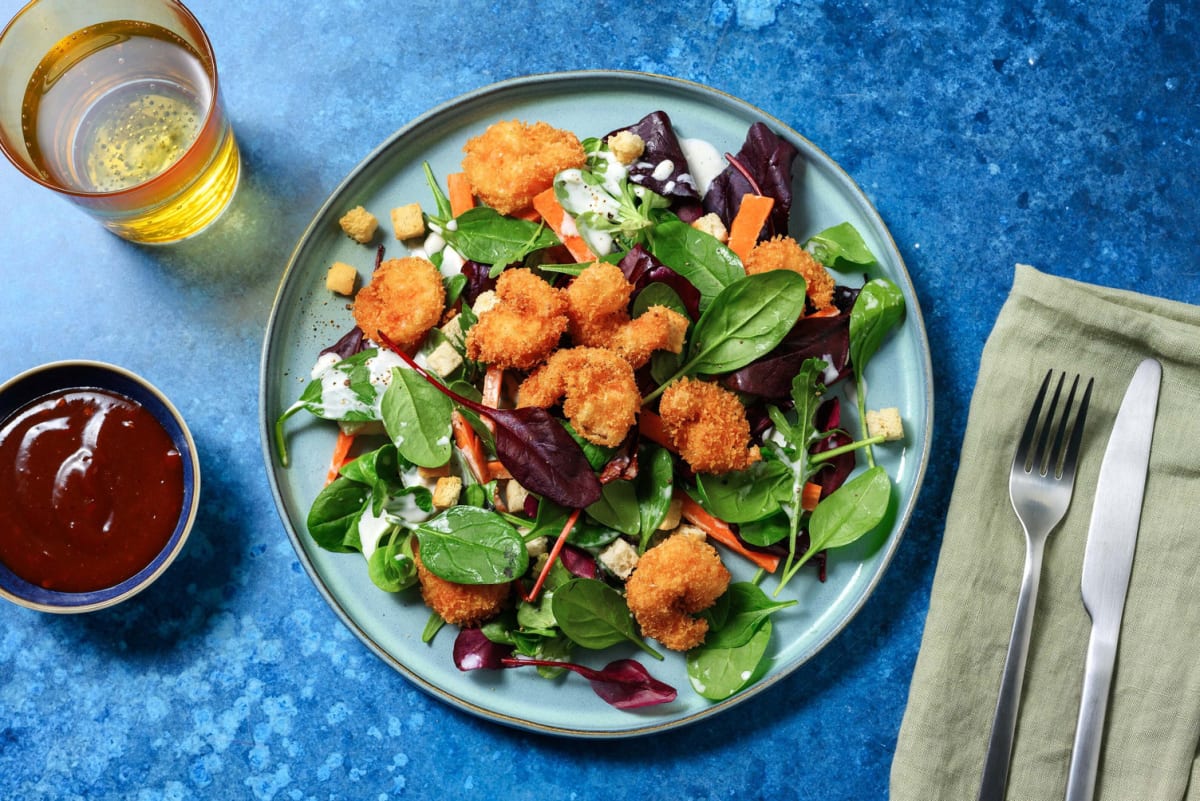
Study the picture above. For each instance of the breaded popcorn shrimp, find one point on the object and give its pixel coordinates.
(599, 394)
(460, 604)
(404, 300)
(708, 426)
(598, 310)
(785, 253)
(524, 327)
(511, 162)
(673, 581)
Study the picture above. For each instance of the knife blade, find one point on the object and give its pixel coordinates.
(1108, 561)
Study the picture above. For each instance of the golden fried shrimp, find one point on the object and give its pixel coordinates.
(599, 394)
(511, 162)
(524, 327)
(708, 426)
(673, 581)
(460, 604)
(598, 310)
(785, 253)
(404, 300)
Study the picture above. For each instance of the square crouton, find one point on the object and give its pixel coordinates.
(446, 491)
(444, 359)
(341, 278)
(620, 558)
(711, 224)
(359, 224)
(408, 221)
(886, 422)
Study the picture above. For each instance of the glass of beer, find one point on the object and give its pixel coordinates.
(114, 104)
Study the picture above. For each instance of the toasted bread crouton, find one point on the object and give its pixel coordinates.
(886, 422)
(446, 492)
(626, 146)
(408, 221)
(359, 224)
(341, 278)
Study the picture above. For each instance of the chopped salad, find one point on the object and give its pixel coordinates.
(601, 370)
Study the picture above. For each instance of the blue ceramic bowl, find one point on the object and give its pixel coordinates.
(48, 378)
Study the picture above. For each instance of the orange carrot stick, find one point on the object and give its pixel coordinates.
(554, 552)
(459, 190)
(341, 455)
(810, 496)
(748, 222)
(720, 531)
(547, 205)
(650, 426)
(496, 469)
(469, 444)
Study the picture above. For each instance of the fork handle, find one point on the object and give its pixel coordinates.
(1089, 732)
(1004, 725)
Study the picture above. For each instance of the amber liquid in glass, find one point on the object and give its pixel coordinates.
(123, 108)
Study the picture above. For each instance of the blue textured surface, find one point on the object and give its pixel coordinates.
(1063, 134)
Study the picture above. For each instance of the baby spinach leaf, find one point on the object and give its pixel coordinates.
(717, 673)
(391, 567)
(749, 607)
(333, 519)
(617, 507)
(767, 531)
(655, 485)
(853, 510)
(697, 256)
(749, 318)
(878, 309)
(417, 418)
(594, 615)
(468, 545)
(840, 247)
(484, 235)
(746, 495)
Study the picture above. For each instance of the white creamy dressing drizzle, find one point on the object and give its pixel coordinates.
(403, 510)
(370, 529)
(337, 399)
(704, 162)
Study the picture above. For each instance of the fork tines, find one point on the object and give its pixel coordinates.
(1038, 428)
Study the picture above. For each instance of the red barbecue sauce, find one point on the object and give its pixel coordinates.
(91, 487)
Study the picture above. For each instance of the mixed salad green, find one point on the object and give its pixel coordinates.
(753, 334)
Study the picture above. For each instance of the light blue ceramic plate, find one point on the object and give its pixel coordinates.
(307, 317)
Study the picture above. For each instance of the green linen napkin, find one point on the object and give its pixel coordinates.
(1153, 723)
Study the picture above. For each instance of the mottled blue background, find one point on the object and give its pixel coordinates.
(1063, 134)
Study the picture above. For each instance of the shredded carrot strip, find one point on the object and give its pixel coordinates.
(748, 222)
(341, 455)
(650, 426)
(496, 469)
(720, 531)
(546, 204)
(828, 311)
(472, 448)
(554, 552)
(810, 495)
(493, 382)
(459, 189)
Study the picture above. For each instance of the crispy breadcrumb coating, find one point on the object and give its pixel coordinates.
(599, 394)
(403, 299)
(461, 604)
(708, 426)
(785, 253)
(598, 310)
(524, 327)
(511, 162)
(672, 582)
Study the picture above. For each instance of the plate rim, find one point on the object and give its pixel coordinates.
(914, 316)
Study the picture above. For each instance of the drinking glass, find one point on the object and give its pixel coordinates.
(114, 105)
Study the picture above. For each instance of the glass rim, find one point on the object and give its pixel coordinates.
(207, 50)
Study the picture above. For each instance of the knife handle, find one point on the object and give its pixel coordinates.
(1089, 732)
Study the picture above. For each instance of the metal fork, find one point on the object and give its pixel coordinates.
(1040, 485)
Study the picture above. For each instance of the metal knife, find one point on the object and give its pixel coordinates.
(1107, 562)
